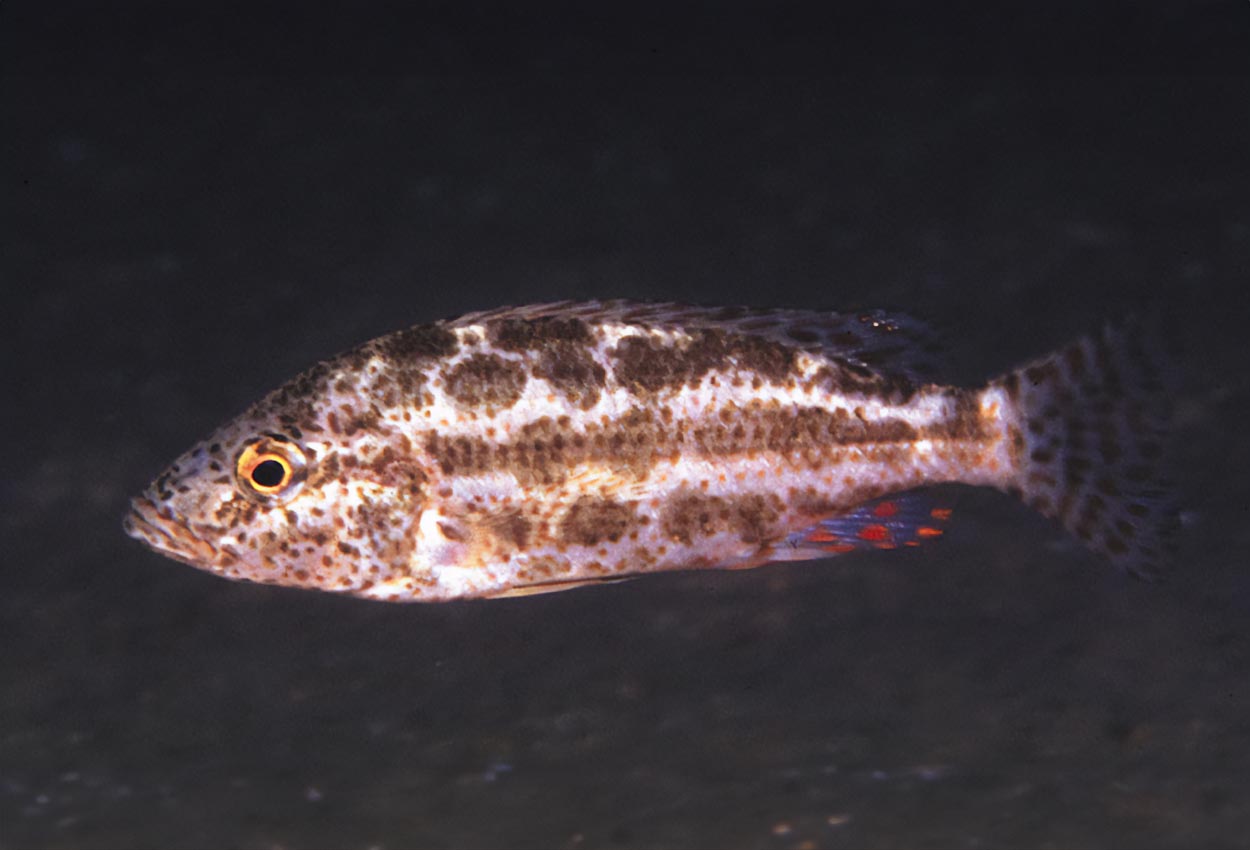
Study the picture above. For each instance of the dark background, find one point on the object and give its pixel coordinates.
(197, 206)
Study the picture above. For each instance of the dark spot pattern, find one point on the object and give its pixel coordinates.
(294, 404)
(409, 354)
(691, 515)
(646, 365)
(594, 520)
(1090, 452)
(848, 378)
(424, 342)
(546, 450)
(560, 349)
(485, 379)
(537, 334)
(571, 369)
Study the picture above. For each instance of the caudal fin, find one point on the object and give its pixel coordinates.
(1091, 424)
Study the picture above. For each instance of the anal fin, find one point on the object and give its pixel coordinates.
(900, 521)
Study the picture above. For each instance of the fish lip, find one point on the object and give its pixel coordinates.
(165, 534)
(143, 522)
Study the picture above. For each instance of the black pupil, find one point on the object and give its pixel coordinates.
(268, 473)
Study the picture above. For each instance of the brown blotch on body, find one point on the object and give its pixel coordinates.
(400, 472)
(328, 469)
(593, 520)
(694, 515)
(846, 377)
(644, 364)
(966, 423)
(485, 379)
(563, 349)
(368, 420)
(420, 343)
(410, 353)
(571, 369)
(536, 334)
(511, 528)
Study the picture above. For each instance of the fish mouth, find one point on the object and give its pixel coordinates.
(162, 531)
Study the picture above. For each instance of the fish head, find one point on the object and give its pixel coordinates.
(279, 496)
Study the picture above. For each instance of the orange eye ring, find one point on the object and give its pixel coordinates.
(270, 473)
(270, 469)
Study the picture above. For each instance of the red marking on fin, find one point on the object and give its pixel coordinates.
(905, 520)
(822, 535)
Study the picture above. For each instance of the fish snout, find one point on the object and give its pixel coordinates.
(161, 530)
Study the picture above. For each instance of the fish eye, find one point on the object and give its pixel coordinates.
(270, 469)
(270, 474)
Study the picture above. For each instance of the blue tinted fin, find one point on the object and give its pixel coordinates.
(900, 521)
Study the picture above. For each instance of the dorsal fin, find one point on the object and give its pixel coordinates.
(884, 342)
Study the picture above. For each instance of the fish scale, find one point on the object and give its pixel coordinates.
(531, 449)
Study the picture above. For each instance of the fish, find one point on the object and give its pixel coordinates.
(533, 449)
